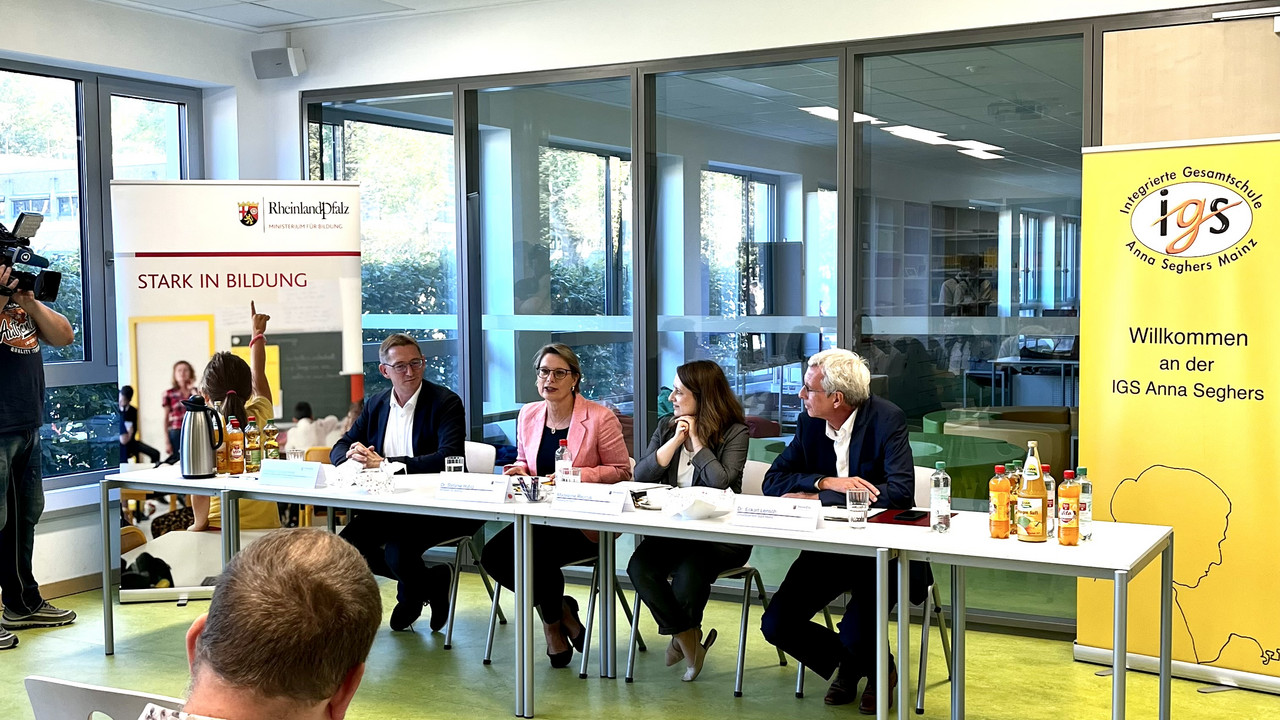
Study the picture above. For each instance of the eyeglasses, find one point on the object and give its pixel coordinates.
(402, 368)
(810, 391)
(559, 373)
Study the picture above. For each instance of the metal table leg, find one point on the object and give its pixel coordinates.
(108, 610)
(904, 634)
(526, 581)
(522, 617)
(608, 606)
(228, 551)
(957, 642)
(882, 633)
(1166, 627)
(331, 519)
(1119, 640)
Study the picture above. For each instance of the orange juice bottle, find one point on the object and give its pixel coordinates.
(998, 491)
(221, 452)
(1015, 478)
(1032, 499)
(1069, 510)
(235, 448)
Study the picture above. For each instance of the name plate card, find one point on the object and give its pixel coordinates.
(290, 473)
(474, 487)
(776, 513)
(592, 498)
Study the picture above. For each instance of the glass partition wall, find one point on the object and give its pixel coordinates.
(401, 151)
(968, 222)
(554, 218)
(744, 228)
(920, 207)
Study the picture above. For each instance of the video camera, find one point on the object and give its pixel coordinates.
(15, 249)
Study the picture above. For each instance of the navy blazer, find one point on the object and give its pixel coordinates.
(879, 452)
(439, 429)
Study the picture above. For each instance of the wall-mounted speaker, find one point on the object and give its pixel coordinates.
(278, 62)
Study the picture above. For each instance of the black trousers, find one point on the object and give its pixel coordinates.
(692, 566)
(553, 548)
(21, 503)
(393, 544)
(814, 580)
(137, 447)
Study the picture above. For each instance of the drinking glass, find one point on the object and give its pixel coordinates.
(570, 475)
(295, 455)
(454, 463)
(859, 503)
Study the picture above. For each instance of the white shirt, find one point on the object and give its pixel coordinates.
(841, 439)
(684, 469)
(398, 439)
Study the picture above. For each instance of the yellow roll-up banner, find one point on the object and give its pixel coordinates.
(1180, 389)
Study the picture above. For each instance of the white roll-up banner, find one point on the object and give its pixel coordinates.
(191, 255)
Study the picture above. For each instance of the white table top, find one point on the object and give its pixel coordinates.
(1115, 546)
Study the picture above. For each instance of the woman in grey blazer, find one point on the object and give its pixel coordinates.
(704, 444)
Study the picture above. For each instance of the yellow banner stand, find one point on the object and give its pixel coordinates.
(1180, 399)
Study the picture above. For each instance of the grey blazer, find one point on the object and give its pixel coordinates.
(719, 467)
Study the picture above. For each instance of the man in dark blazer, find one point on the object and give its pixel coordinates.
(845, 439)
(417, 423)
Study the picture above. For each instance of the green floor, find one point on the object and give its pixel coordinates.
(410, 675)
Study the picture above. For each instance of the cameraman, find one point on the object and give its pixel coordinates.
(24, 323)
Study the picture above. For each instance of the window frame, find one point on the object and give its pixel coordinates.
(93, 123)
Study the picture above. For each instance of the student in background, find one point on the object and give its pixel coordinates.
(184, 386)
(243, 390)
(130, 445)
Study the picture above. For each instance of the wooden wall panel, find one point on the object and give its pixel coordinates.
(1191, 81)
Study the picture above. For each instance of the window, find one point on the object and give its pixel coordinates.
(50, 163)
(554, 218)
(755, 288)
(586, 199)
(401, 152)
(970, 174)
(31, 205)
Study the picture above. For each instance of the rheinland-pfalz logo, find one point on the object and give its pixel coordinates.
(1193, 221)
(248, 214)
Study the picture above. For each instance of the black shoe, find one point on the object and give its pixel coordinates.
(439, 600)
(560, 659)
(403, 615)
(844, 689)
(577, 642)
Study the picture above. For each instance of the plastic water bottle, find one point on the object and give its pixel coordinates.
(1086, 504)
(940, 499)
(564, 458)
(1050, 503)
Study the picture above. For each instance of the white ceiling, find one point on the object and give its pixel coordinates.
(276, 15)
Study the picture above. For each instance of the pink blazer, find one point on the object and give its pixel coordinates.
(595, 439)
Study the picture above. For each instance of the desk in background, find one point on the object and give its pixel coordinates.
(1067, 369)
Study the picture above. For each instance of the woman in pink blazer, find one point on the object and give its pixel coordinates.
(594, 438)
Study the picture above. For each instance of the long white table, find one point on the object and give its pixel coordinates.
(1117, 552)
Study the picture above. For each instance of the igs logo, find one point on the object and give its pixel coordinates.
(248, 214)
(1187, 220)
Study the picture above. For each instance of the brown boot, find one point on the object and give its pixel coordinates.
(868, 704)
(844, 688)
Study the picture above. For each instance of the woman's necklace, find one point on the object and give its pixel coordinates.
(559, 423)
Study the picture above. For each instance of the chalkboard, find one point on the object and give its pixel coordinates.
(309, 370)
